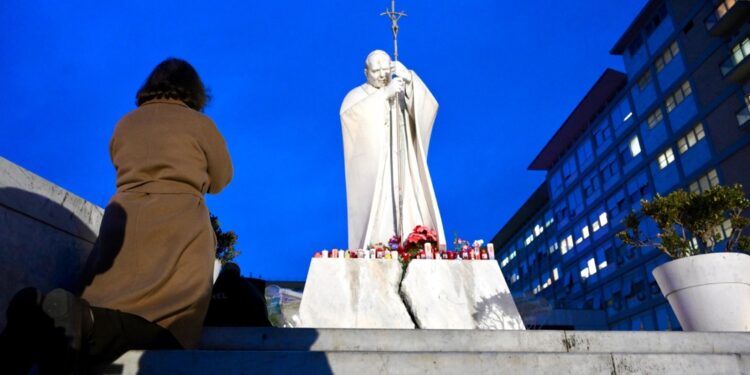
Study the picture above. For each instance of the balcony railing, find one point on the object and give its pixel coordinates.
(743, 116)
(726, 15)
(735, 67)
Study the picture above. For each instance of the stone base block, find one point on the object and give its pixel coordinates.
(444, 294)
(353, 293)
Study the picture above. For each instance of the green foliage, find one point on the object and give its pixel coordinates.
(682, 216)
(225, 241)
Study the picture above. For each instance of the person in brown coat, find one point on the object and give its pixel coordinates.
(147, 282)
(155, 257)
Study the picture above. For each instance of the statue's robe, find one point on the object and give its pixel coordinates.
(383, 145)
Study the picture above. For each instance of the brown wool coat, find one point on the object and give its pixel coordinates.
(154, 256)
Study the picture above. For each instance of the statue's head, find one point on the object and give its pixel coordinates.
(378, 68)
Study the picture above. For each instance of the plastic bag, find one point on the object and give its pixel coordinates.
(283, 306)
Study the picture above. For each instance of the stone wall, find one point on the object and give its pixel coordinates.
(46, 234)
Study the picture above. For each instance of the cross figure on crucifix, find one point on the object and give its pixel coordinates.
(394, 16)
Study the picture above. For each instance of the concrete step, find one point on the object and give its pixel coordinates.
(407, 340)
(360, 363)
(345, 351)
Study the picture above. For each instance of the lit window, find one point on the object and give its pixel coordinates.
(603, 219)
(654, 118)
(538, 229)
(553, 247)
(528, 239)
(556, 274)
(585, 232)
(589, 269)
(691, 138)
(705, 182)
(644, 80)
(678, 96)
(635, 146)
(504, 262)
(667, 56)
(592, 266)
(603, 265)
(512, 255)
(566, 244)
(666, 158)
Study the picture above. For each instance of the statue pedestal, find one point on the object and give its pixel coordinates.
(441, 294)
(353, 293)
(448, 294)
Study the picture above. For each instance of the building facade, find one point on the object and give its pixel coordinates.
(678, 118)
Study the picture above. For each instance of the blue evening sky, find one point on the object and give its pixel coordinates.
(506, 75)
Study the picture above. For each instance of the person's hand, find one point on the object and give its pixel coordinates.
(394, 87)
(400, 70)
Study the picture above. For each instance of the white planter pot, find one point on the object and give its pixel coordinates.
(708, 292)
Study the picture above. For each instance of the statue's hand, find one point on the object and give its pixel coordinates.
(400, 70)
(394, 87)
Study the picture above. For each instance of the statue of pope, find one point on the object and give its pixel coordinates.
(386, 125)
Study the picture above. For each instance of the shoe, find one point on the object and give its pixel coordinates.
(71, 315)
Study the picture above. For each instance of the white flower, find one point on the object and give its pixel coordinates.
(478, 243)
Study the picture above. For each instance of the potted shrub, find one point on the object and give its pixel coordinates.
(708, 289)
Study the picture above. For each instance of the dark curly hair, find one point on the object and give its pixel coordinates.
(174, 79)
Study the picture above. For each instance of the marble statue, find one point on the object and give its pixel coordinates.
(386, 125)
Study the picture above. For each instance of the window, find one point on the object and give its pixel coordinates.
(724, 230)
(529, 238)
(599, 219)
(591, 185)
(644, 80)
(561, 211)
(566, 244)
(585, 154)
(740, 51)
(588, 268)
(582, 231)
(610, 168)
(705, 182)
(667, 56)
(514, 277)
(617, 203)
(548, 219)
(555, 184)
(723, 8)
(678, 96)
(603, 134)
(622, 112)
(552, 246)
(635, 146)
(654, 118)
(569, 169)
(654, 22)
(538, 229)
(638, 187)
(504, 262)
(691, 138)
(575, 202)
(665, 158)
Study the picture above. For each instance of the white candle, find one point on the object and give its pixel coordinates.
(324, 254)
(491, 250)
(428, 250)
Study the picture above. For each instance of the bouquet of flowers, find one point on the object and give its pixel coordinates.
(414, 245)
